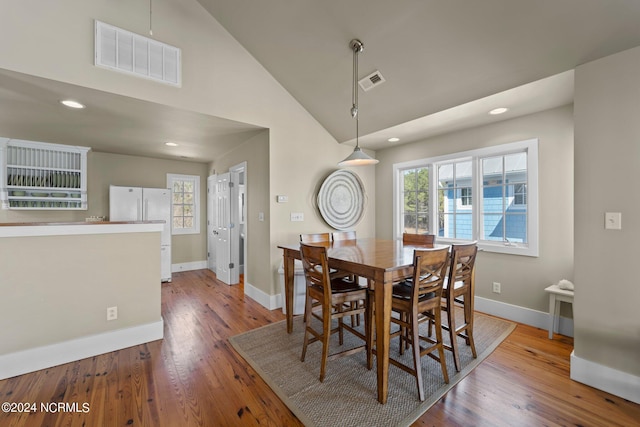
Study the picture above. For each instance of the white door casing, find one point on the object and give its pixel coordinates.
(212, 223)
(221, 232)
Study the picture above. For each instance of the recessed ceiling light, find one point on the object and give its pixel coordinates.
(71, 103)
(394, 139)
(171, 144)
(497, 111)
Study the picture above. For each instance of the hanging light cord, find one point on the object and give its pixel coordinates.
(357, 47)
(150, 14)
(354, 91)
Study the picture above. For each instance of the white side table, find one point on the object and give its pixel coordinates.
(556, 296)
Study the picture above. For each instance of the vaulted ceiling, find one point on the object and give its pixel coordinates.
(434, 55)
(446, 64)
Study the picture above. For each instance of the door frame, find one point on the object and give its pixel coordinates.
(235, 171)
(234, 257)
(211, 222)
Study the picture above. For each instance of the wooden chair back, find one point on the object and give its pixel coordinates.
(315, 238)
(429, 272)
(418, 239)
(343, 235)
(463, 268)
(316, 269)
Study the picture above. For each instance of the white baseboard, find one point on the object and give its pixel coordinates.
(535, 318)
(270, 302)
(605, 378)
(34, 359)
(188, 266)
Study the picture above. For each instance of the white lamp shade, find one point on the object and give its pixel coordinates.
(358, 158)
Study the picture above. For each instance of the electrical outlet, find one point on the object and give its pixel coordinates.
(496, 287)
(112, 313)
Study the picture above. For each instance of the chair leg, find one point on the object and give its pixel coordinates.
(443, 361)
(415, 342)
(468, 318)
(453, 336)
(326, 335)
(369, 330)
(307, 319)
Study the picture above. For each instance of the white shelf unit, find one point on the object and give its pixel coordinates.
(42, 176)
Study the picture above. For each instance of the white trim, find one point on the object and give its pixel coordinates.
(34, 359)
(270, 302)
(77, 229)
(535, 318)
(188, 266)
(530, 146)
(622, 384)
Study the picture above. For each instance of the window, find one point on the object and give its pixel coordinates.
(520, 194)
(415, 200)
(488, 195)
(455, 213)
(465, 196)
(185, 200)
(502, 218)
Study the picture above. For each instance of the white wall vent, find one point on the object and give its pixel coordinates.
(372, 80)
(124, 51)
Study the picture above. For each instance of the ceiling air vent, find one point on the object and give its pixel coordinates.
(130, 53)
(372, 80)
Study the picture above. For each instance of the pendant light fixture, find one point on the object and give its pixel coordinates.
(358, 157)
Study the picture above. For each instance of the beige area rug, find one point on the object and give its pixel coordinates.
(348, 396)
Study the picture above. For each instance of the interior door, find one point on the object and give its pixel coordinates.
(222, 230)
(212, 223)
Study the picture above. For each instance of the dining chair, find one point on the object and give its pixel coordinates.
(335, 297)
(315, 238)
(337, 236)
(418, 239)
(459, 289)
(325, 239)
(422, 293)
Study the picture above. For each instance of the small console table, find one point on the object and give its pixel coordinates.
(556, 296)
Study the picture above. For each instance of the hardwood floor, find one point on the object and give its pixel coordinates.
(194, 378)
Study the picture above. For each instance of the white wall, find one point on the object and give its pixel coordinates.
(607, 158)
(220, 78)
(523, 278)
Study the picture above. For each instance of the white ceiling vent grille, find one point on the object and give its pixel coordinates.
(124, 51)
(372, 80)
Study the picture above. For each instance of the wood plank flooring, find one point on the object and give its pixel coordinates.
(193, 377)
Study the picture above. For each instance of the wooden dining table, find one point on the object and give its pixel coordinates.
(382, 262)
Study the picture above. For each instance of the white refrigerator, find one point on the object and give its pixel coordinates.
(145, 204)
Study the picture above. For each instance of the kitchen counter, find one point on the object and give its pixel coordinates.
(57, 282)
(24, 229)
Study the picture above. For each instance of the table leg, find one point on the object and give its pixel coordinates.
(552, 314)
(382, 298)
(288, 289)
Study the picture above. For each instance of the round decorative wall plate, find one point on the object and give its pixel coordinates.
(341, 199)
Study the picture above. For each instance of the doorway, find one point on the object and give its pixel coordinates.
(226, 223)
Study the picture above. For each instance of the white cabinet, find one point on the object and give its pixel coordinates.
(38, 175)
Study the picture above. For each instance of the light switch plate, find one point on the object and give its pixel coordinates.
(297, 216)
(283, 199)
(613, 221)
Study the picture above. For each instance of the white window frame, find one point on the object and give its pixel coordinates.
(196, 202)
(530, 146)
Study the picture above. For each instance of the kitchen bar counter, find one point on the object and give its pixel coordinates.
(59, 280)
(25, 229)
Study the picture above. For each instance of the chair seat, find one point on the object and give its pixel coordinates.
(403, 290)
(340, 285)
